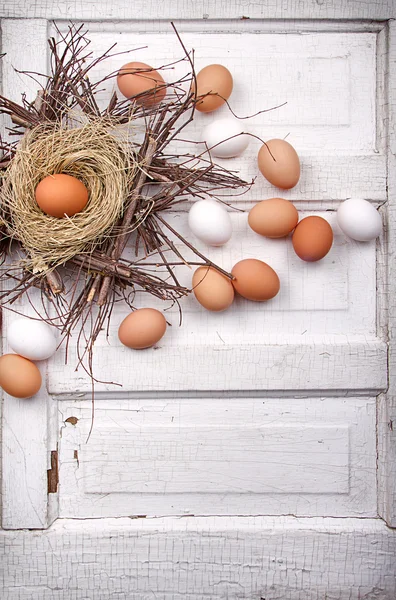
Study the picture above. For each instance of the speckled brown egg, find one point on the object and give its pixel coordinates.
(19, 376)
(136, 78)
(279, 163)
(255, 280)
(273, 218)
(312, 238)
(212, 289)
(142, 328)
(215, 83)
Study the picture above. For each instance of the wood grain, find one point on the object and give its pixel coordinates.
(202, 9)
(387, 402)
(26, 424)
(198, 558)
(230, 455)
(182, 394)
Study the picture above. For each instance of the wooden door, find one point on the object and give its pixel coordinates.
(251, 455)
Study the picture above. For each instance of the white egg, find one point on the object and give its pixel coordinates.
(210, 222)
(215, 133)
(359, 220)
(32, 339)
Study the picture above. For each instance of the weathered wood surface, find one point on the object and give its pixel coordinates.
(342, 122)
(27, 432)
(199, 558)
(324, 319)
(326, 80)
(318, 333)
(229, 455)
(201, 9)
(387, 403)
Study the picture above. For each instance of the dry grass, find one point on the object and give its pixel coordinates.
(94, 152)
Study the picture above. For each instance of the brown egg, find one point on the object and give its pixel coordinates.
(136, 78)
(216, 81)
(143, 328)
(212, 289)
(19, 377)
(279, 163)
(59, 195)
(273, 218)
(312, 238)
(255, 280)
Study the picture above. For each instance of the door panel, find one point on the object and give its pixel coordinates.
(319, 334)
(29, 430)
(267, 411)
(246, 455)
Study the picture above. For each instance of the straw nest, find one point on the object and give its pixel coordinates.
(91, 152)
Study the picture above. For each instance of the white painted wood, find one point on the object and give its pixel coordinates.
(195, 558)
(292, 366)
(198, 460)
(321, 114)
(323, 299)
(32, 35)
(387, 402)
(244, 455)
(336, 123)
(26, 445)
(323, 320)
(25, 462)
(200, 9)
(330, 120)
(279, 557)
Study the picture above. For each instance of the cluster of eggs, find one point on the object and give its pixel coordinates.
(312, 239)
(253, 279)
(209, 221)
(32, 341)
(62, 195)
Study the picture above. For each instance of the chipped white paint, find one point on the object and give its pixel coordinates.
(200, 9)
(245, 455)
(197, 558)
(335, 340)
(28, 437)
(302, 366)
(27, 434)
(387, 403)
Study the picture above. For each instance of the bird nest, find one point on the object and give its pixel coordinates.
(88, 151)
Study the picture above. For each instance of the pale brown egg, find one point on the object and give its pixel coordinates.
(215, 83)
(59, 195)
(142, 328)
(312, 238)
(255, 280)
(212, 289)
(279, 163)
(273, 218)
(136, 78)
(19, 377)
